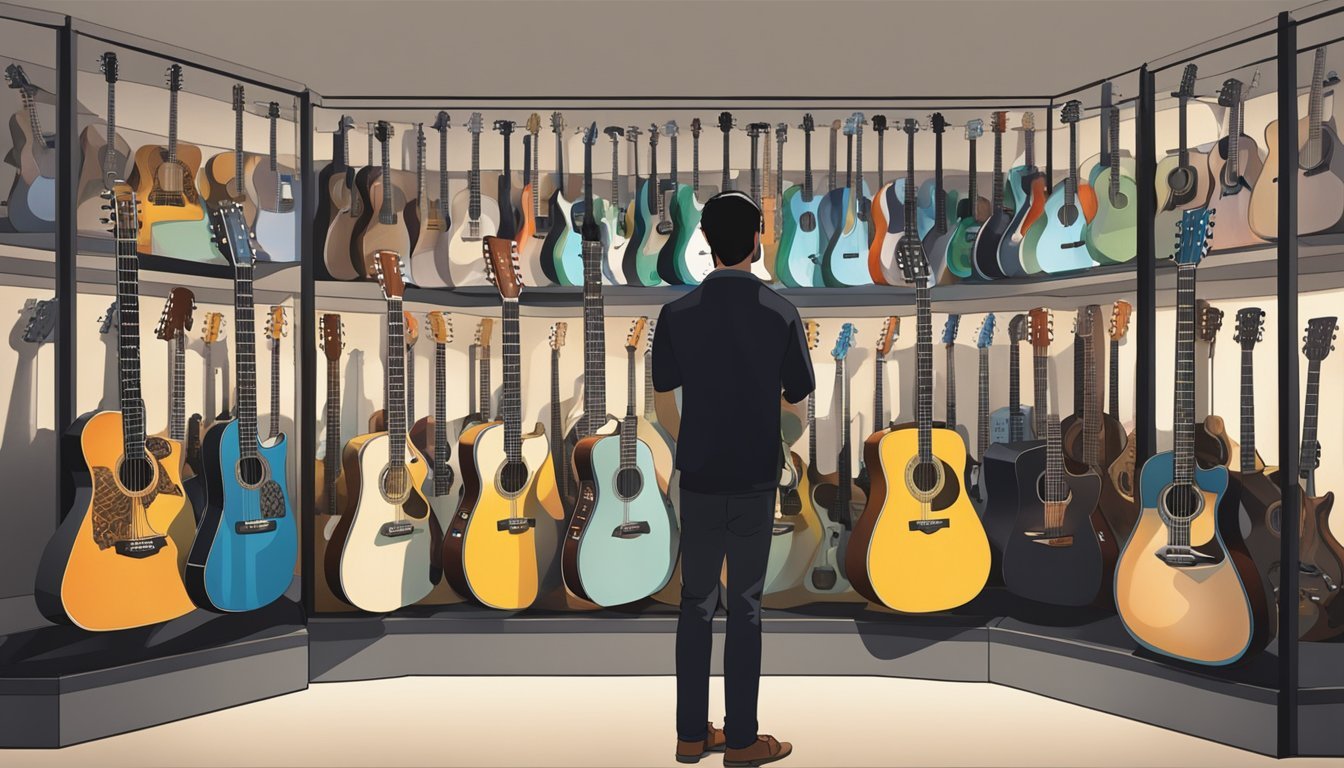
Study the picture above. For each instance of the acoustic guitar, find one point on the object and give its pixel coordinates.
(640, 261)
(1236, 167)
(343, 201)
(971, 213)
(490, 551)
(564, 243)
(473, 216)
(105, 156)
(622, 540)
(881, 415)
(1112, 235)
(975, 483)
(424, 258)
(611, 214)
(1320, 169)
(386, 218)
(32, 198)
(1183, 180)
(1014, 423)
(1213, 445)
(1057, 241)
(329, 500)
(845, 257)
(890, 207)
(173, 326)
(652, 431)
(223, 177)
(933, 198)
(918, 546)
(536, 222)
(1185, 585)
(113, 562)
(1026, 192)
(799, 248)
(1094, 439)
(247, 537)
(989, 238)
(838, 501)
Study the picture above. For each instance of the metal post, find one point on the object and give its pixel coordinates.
(67, 174)
(1288, 388)
(307, 335)
(1145, 373)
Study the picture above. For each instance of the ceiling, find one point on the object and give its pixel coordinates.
(698, 48)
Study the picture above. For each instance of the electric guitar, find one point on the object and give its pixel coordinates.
(897, 197)
(799, 251)
(272, 186)
(32, 197)
(342, 202)
(473, 216)
(844, 261)
(975, 484)
(1014, 423)
(113, 562)
(640, 261)
(622, 540)
(566, 250)
(534, 228)
(933, 228)
(276, 329)
(1111, 235)
(1185, 585)
(424, 254)
(173, 326)
(617, 264)
(380, 551)
(886, 212)
(386, 219)
(881, 415)
(490, 550)
(1320, 169)
(329, 500)
(1183, 181)
(919, 546)
(971, 213)
(247, 537)
(834, 496)
(1057, 241)
(691, 257)
(1235, 167)
(1026, 184)
(105, 156)
(992, 231)
(611, 214)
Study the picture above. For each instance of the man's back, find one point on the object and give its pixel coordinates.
(731, 344)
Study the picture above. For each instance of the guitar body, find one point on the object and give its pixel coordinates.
(960, 253)
(685, 258)
(375, 572)
(887, 221)
(1111, 235)
(895, 560)
(793, 552)
(641, 253)
(1056, 243)
(371, 234)
(426, 249)
(827, 575)
(611, 222)
(531, 251)
(845, 260)
(492, 567)
(661, 446)
(1211, 614)
(1231, 203)
(457, 254)
(1320, 188)
(341, 227)
(81, 578)
(1074, 568)
(94, 151)
(599, 566)
(32, 197)
(228, 571)
(167, 191)
(220, 183)
(1024, 192)
(1000, 424)
(1180, 189)
(275, 233)
(563, 245)
(988, 247)
(797, 261)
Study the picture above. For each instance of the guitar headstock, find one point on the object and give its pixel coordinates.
(615, 132)
(1120, 312)
(696, 127)
(1086, 321)
(505, 127)
(420, 141)
(1187, 89)
(346, 125)
(812, 330)
(1192, 242)
(18, 80)
(986, 335)
(859, 119)
(1210, 320)
(633, 338)
(1319, 340)
(440, 327)
(880, 123)
(410, 329)
(850, 126)
(781, 132)
(937, 122)
(41, 321)
(109, 319)
(836, 126)
(278, 326)
(558, 332)
(975, 129)
(533, 123)
(239, 101)
(670, 129)
(107, 63)
(443, 122)
(999, 122)
(484, 329)
(757, 129)
(175, 77)
(1017, 329)
(1028, 121)
(649, 334)
(1072, 112)
(653, 135)
(273, 110)
(383, 131)
(891, 327)
(176, 318)
(1229, 95)
(911, 126)
(1042, 327)
(590, 135)
(557, 123)
(213, 327)
(333, 336)
(950, 329)
(501, 266)
(1250, 326)
(808, 125)
(387, 271)
(844, 342)
(632, 134)
(231, 235)
(726, 122)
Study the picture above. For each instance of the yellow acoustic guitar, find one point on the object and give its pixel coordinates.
(918, 546)
(113, 562)
(490, 550)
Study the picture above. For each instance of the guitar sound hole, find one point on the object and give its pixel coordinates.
(136, 474)
(1068, 214)
(250, 471)
(513, 477)
(1179, 180)
(396, 479)
(629, 482)
(1182, 502)
(807, 222)
(925, 477)
(1275, 519)
(1118, 200)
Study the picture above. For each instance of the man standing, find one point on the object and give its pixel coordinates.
(733, 346)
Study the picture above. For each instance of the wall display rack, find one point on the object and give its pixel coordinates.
(364, 227)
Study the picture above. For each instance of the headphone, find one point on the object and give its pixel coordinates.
(760, 217)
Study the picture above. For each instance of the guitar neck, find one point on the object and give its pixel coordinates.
(245, 359)
(971, 194)
(998, 172)
(911, 226)
(1184, 421)
(1040, 361)
(1309, 456)
(331, 462)
(441, 485)
(615, 172)
(650, 411)
(695, 163)
(939, 197)
(177, 414)
(1183, 153)
(557, 429)
(172, 125)
(630, 426)
(483, 390)
(275, 388)
(535, 179)
(982, 433)
(594, 341)
(812, 431)
(842, 464)
(951, 387)
(1248, 411)
(394, 376)
(1071, 181)
(410, 381)
(879, 394)
(511, 401)
(924, 367)
(1015, 427)
(723, 187)
(472, 396)
(807, 165)
(1115, 378)
(1091, 404)
(1315, 106)
(111, 149)
(238, 149)
(386, 215)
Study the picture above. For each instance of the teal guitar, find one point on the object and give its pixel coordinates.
(800, 243)
(246, 538)
(686, 254)
(971, 213)
(1025, 194)
(623, 536)
(641, 255)
(1057, 241)
(1112, 236)
(845, 259)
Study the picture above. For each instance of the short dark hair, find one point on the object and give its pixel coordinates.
(730, 221)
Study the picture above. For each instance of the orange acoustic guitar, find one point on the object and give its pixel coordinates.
(113, 562)
(165, 177)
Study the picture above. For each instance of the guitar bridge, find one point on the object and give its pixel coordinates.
(1076, 244)
(779, 529)
(631, 530)
(930, 526)
(141, 548)
(516, 525)
(850, 256)
(398, 528)
(246, 527)
(1183, 557)
(1039, 537)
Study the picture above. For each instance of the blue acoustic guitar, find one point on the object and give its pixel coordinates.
(1057, 242)
(247, 538)
(1013, 424)
(845, 260)
(651, 227)
(800, 243)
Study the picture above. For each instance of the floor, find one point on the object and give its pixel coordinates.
(626, 721)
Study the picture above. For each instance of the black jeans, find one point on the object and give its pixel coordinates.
(713, 526)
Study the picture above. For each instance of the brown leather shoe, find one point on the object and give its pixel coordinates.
(692, 751)
(766, 750)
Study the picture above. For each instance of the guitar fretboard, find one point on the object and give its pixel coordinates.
(807, 166)
(1309, 454)
(1016, 431)
(386, 215)
(616, 171)
(1092, 434)
(177, 412)
(911, 226)
(650, 412)
(245, 356)
(879, 394)
(511, 400)
(110, 151)
(842, 464)
(483, 389)
(1248, 410)
(998, 171)
(275, 388)
(630, 426)
(1040, 360)
(951, 386)
(240, 190)
(1071, 181)
(924, 367)
(939, 197)
(172, 125)
(594, 341)
(562, 473)
(441, 484)
(1115, 378)
(1184, 421)
(331, 461)
(982, 419)
(395, 381)
(1315, 108)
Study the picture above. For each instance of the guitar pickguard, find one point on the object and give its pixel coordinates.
(111, 509)
(272, 500)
